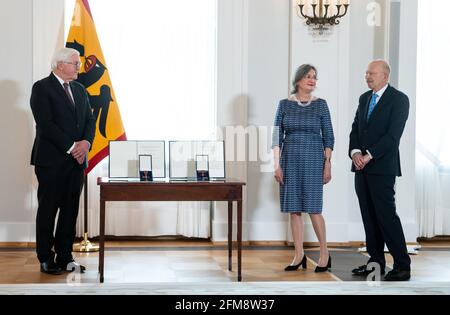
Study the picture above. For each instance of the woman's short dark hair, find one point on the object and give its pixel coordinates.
(301, 72)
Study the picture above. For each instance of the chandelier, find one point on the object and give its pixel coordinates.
(323, 14)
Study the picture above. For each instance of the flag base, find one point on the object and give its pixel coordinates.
(85, 246)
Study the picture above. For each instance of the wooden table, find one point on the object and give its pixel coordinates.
(226, 190)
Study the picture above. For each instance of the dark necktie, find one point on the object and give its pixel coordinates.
(66, 88)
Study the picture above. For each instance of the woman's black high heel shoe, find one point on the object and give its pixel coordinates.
(323, 269)
(295, 267)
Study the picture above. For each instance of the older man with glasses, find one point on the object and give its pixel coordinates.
(374, 149)
(65, 129)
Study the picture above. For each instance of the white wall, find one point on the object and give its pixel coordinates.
(255, 58)
(29, 35)
(231, 99)
(268, 73)
(15, 82)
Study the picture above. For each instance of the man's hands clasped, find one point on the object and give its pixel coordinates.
(360, 161)
(80, 150)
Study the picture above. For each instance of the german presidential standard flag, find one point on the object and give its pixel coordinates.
(94, 76)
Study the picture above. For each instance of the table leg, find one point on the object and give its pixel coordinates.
(239, 237)
(101, 262)
(230, 234)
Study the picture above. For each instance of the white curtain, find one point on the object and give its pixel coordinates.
(429, 195)
(161, 56)
(433, 113)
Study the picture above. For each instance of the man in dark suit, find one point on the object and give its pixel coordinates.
(65, 129)
(374, 150)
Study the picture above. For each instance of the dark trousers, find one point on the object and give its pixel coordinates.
(382, 225)
(59, 188)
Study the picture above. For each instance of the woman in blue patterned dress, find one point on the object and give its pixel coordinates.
(302, 144)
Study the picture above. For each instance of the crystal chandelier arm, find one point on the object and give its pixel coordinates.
(326, 10)
(301, 10)
(339, 10)
(314, 10)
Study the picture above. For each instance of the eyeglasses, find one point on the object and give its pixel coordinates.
(76, 64)
(311, 78)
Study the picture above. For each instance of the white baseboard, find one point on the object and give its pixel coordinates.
(356, 231)
(412, 249)
(252, 231)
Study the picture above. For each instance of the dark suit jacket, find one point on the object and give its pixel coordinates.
(381, 134)
(58, 123)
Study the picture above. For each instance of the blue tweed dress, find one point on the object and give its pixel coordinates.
(302, 133)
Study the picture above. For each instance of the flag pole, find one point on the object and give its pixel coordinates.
(85, 245)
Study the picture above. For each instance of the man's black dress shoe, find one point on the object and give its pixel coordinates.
(50, 268)
(72, 266)
(363, 271)
(398, 275)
